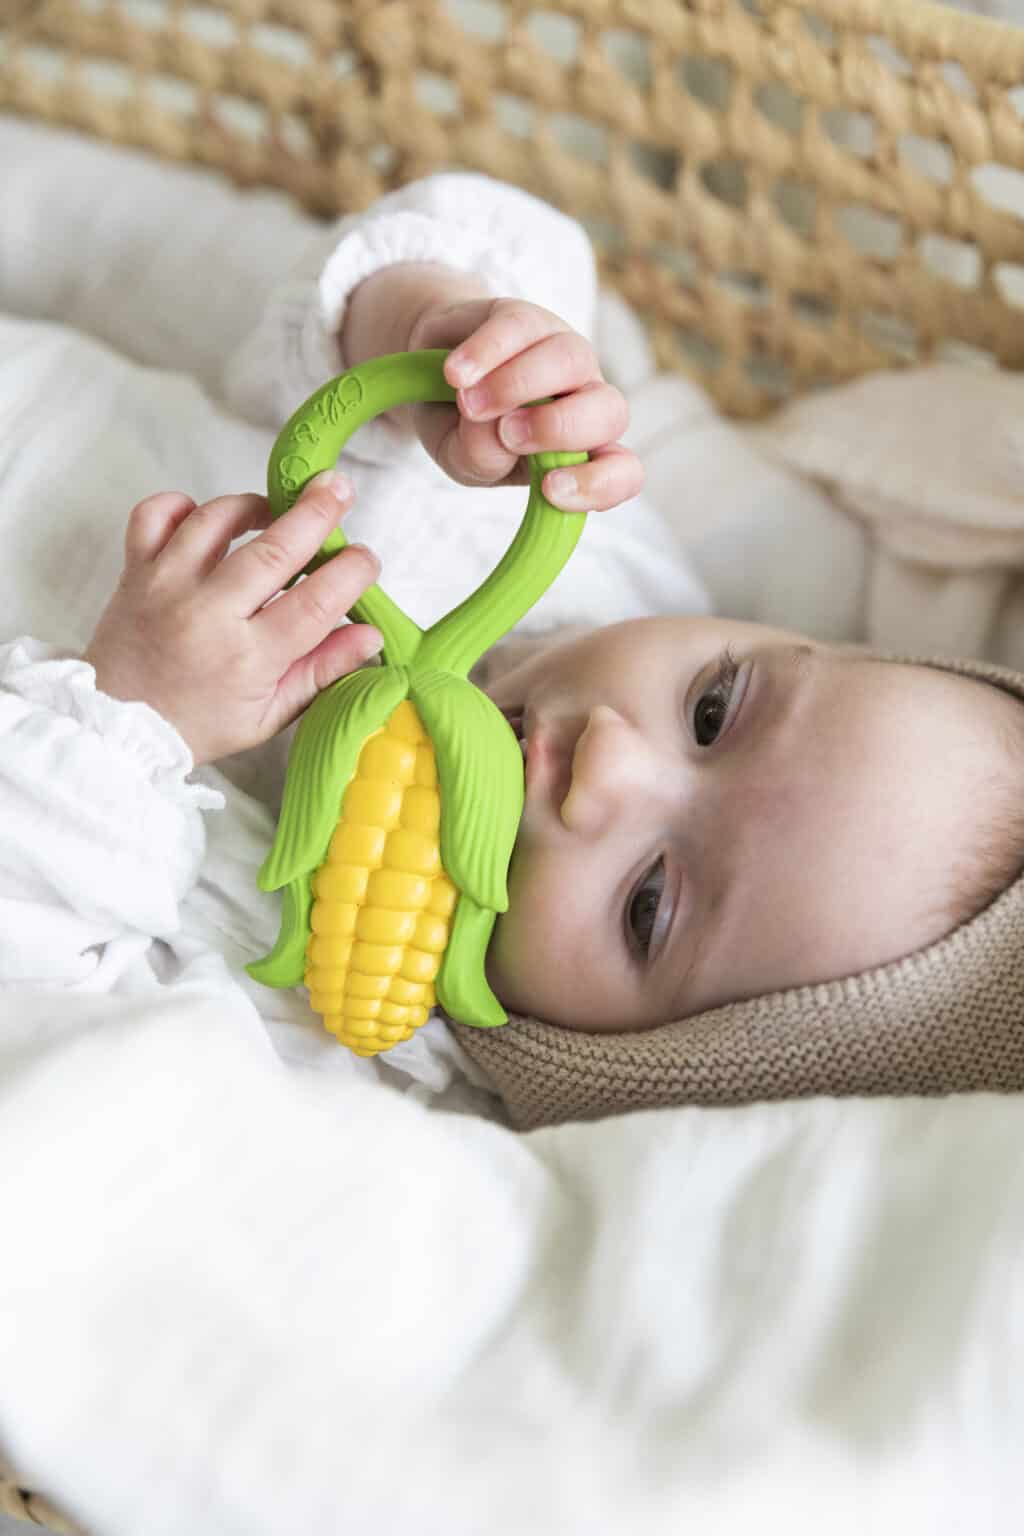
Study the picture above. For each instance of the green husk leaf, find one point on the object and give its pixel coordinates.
(322, 760)
(286, 963)
(480, 768)
(461, 982)
(545, 539)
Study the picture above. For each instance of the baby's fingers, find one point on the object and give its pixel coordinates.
(151, 523)
(254, 573)
(590, 417)
(471, 453)
(510, 327)
(202, 539)
(611, 475)
(553, 366)
(303, 617)
(341, 652)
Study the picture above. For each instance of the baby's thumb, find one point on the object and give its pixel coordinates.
(469, 452)
(343, 651)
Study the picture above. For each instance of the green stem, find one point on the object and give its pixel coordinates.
(314, 436)
(544, 542)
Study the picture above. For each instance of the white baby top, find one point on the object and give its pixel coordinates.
(159, 345)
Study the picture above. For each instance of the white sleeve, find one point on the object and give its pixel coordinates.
(101, 834)
(519, 246)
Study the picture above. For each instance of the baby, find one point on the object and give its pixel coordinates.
(714, 810)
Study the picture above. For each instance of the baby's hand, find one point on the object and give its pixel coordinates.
(188, 632)
(506, 353)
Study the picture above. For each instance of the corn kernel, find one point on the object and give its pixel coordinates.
(376, 959)
(402, 991)
(385, 756)
(341, 882)
(336, 918)
(405, 724)
(326, 978)
(442, 897)
(431, 933)
(379, 925)
(360, 985)
(326, 950)
(357, 845)
(373, 803)
(398, 890)
(417, 965)
(391, 1013)
(325, 1002)
(426, 766)
(361, 1028)
(411, 851)
(420, 811)
(362, 1008)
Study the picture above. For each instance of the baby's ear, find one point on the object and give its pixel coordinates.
(518, 647)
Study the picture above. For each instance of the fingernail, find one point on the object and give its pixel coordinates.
(461, 372)
(473, 400)
(332, 480)
(560, 485)
(514, 430)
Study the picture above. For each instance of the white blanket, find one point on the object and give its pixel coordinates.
(248, 1284)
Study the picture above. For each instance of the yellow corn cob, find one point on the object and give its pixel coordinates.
(382, 904)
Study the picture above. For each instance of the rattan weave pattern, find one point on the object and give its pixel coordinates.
(790, 193)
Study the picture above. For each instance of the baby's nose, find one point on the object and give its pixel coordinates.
(611, 766)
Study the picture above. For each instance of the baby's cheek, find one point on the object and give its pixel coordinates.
(509, 956)
(533, 957)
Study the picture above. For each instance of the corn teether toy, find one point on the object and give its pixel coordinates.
(405, 782)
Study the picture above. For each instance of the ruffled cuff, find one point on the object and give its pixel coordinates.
(52, 679)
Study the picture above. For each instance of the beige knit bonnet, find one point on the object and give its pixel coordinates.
(948, 1019)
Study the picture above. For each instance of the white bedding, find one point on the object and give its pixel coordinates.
(248, 1284)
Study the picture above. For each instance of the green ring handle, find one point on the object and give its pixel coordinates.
(311, 441)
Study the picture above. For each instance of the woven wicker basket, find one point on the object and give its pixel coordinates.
(790, 194)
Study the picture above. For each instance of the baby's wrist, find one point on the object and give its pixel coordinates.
(386, 309)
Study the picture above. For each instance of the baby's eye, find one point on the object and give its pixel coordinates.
(713, 706)
(643, 906)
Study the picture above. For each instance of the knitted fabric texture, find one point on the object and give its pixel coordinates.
(948, 1019)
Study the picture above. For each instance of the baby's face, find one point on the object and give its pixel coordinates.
(715, 810)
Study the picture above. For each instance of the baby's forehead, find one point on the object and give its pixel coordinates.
(996, 694)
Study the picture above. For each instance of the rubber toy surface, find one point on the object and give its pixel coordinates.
(405, 782)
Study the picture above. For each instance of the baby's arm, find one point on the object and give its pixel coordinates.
(101, 832)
